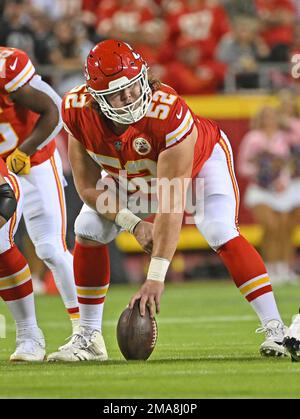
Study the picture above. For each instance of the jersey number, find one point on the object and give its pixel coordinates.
(75, 100)
(160, 106)
(8, 138)
(133, 167)
(3, 55)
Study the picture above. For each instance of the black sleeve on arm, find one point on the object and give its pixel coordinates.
(8, 202)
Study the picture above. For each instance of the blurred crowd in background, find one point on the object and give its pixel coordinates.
(198, 47)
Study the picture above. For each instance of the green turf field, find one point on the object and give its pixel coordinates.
(206, 348)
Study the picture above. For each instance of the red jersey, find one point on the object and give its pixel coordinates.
(203, 23)
(168, 122)
(280, 33)
(3, 168)
(17, 122)
(112, 14)
(203, 79)
(133, 17)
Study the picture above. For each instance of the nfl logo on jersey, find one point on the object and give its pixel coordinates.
(118, 145)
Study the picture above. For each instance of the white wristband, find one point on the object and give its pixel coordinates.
(127, 220)
(157, 269)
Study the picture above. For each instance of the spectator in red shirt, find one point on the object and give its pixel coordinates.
(136, 22)
(277, 19)
(190, 73)
(123, 19)
(88, 17)
(202, 21)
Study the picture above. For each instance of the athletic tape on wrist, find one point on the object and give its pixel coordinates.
(158, 269)
(127, 219)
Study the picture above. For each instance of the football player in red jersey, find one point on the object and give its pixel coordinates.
(29, 121)
(15, 277)
(137, 130)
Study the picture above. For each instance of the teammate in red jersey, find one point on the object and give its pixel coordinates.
(139, 131)
(29, 121)
(15, 277)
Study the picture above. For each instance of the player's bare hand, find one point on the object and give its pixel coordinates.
(150, 294)
(143, 232)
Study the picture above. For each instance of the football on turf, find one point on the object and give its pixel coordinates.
(136, 335)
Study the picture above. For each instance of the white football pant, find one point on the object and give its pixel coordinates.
(45, 218)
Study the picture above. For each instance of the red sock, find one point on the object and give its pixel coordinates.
(246, 268)
(92, 273)
(15, 276)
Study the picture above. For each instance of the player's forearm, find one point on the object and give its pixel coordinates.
(166, 232)
(46, 128)
(100, 197)
(168, 221)
(107, 205)
(165, 238)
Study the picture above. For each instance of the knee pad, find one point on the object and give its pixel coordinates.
(217, 233)
(91, 226)
(46, 251)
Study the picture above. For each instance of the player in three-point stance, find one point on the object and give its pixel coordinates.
(29, 121)
(118, 122)
(15, 276)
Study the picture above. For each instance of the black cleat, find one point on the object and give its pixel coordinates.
(293, 346)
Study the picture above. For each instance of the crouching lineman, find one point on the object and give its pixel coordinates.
(15, 277)
(29, 121)
(127, 126)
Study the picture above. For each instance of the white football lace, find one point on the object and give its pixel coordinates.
(80, 342)
(271, 332)
(155, 333)
(70, 340)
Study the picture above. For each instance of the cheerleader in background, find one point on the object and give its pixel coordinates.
(264, 159)
(290, 116)
(290, 120)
